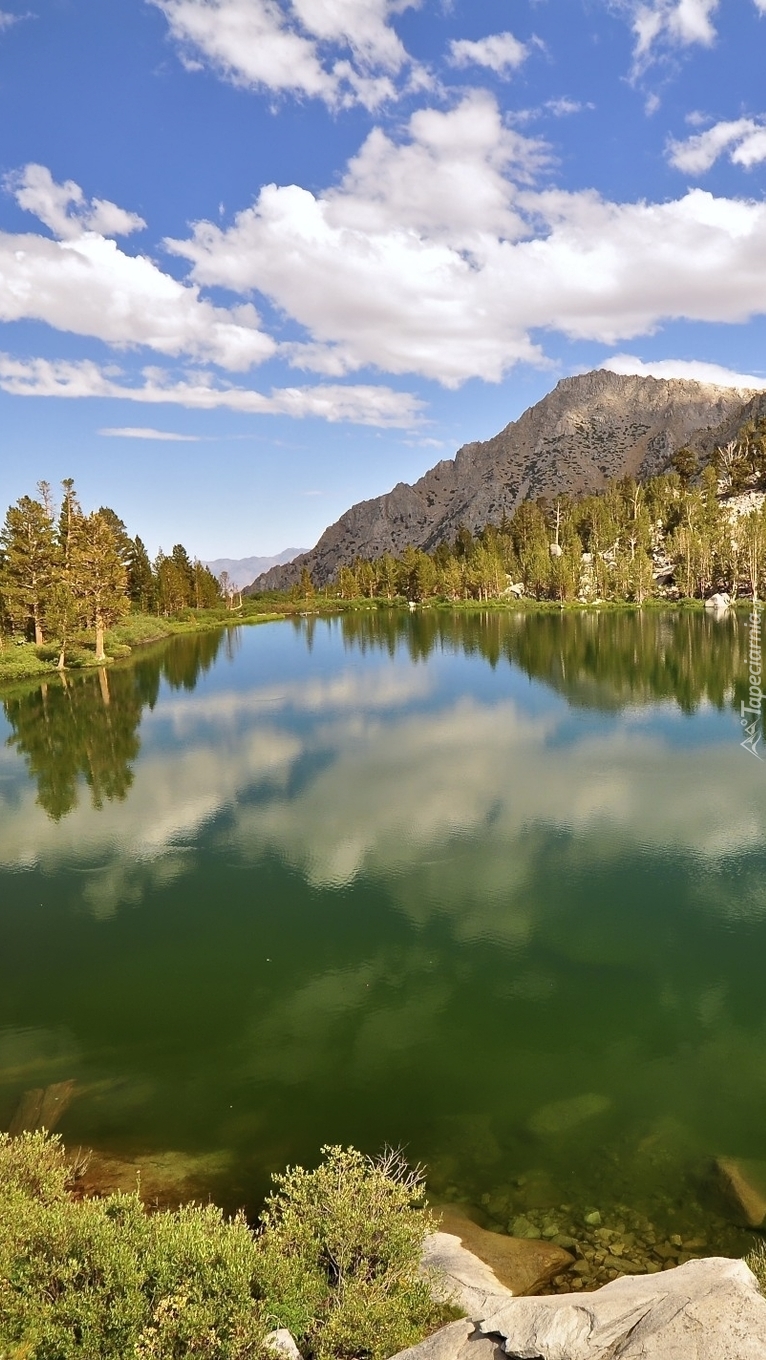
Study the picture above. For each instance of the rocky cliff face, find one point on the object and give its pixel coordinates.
(587, 431)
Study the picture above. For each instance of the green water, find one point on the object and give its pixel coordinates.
(489, 887)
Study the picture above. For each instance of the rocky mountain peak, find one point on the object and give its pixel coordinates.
(590, 429)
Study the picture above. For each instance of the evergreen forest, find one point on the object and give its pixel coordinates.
(690, 532)
(65, 573)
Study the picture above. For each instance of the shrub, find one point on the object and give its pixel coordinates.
(100, 1279)
(335, 1260)
(340, 1250)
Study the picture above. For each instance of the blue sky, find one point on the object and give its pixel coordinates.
(260, 259)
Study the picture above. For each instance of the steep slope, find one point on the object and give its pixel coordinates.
(588, 430)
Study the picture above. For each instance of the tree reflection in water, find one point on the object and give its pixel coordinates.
(85, 727)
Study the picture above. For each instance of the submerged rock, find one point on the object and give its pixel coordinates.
(705, 1310)
(744, 1186)
(481, 1263)
(42, 1108)
(562, 1115)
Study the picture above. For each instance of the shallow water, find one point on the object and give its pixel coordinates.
(489, 887)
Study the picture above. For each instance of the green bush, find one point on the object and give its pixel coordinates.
(340, 1249)
(335, 1260)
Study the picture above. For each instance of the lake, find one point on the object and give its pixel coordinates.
(491, 887)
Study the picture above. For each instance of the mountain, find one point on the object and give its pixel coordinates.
(243, 570)
(587, 431)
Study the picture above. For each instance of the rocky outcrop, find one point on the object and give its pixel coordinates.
(458, 1341)
(705, 1310)
(588, 430)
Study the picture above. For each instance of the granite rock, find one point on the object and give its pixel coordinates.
(710, 1309)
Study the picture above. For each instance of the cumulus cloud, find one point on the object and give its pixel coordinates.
(500, 52)
(83, 283)
(341, 51)
(360, 404)
(671, 22)
(435, 255)
(694, 369)
(743, 140)
(64, 207)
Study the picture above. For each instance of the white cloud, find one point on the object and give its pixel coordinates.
(671, 22)
(359, 404)
(86, 285)
(432, 256)
(144, 432)
(694, 369)
(390, 269)
(65, 209)
(500, 52)
(742, 139)
(340, 51)
(564, 108)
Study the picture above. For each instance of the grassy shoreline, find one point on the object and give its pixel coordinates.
(25, 661)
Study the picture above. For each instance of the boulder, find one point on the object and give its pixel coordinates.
(744, 1186)
(458, 1341)
(282, 1344)
(718, 602)
(480, 1263)
(705, 1310)
(459, 1277)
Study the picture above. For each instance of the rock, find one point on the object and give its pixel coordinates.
(164, 1178)
(706, 1310)
(491, 1261)
(459, 1277)
(522, 1227)
(719, 601)
(457, 1341)
(556, 550)
(593, 1219)
(42, 1108)
(744, 1186)
(282, 1343)
(562, 1115)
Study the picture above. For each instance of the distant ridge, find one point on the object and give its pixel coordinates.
(243, 570)
(588, 430)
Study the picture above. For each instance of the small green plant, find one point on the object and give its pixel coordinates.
(336, 1260)
(756, 1260)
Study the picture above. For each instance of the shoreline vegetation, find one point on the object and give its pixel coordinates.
(77, 590)
(334, 1258)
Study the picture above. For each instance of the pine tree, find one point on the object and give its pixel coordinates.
(29, 555)
(141, 583)
(98, 575)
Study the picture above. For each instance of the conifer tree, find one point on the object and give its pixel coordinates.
(98, 575)
(141, 583)
(29, 554)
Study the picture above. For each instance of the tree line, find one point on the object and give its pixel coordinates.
(63, 572)
(683, 534)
